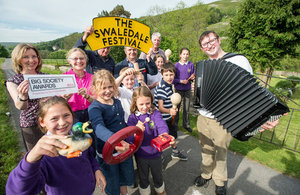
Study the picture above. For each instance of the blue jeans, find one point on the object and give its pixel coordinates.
(117, 175)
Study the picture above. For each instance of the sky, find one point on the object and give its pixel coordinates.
(33, 21)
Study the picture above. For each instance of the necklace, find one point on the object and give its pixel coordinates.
(80, 76)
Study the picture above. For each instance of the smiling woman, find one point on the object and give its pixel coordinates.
(26, 60)
(80, 101)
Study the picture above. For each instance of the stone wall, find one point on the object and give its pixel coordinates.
(286, 74)
(61, 68)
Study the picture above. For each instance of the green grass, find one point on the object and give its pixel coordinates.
(9, 145)
(50, 71)
(293, 117)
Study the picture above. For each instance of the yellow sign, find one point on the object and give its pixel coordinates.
(117, 31)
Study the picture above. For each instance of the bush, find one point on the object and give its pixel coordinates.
(284, 85)
(295, 81)
(58, 54)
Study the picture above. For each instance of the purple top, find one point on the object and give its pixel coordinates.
(77, 102)
(183, 72)
(154, 128)
(28, 117)
(59, 175)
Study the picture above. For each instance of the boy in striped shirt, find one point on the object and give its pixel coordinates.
(162, 97)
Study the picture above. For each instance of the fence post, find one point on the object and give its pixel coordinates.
(287, 127)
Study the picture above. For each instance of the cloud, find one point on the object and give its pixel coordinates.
(36, 21)
(28, 35)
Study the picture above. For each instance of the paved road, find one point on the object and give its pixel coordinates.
(245, 177)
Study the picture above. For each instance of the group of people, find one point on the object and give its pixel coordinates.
(113, 97)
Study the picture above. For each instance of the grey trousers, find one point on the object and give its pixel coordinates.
(185, 98)
(31, 136)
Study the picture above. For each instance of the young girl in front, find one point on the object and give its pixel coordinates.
(107, 117)
(184, 75)
(42, 167)
(147, 157)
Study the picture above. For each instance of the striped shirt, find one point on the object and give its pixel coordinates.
(163, 91)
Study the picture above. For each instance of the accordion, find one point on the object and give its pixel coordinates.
(235, 98)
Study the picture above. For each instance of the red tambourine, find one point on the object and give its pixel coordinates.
(116, 138)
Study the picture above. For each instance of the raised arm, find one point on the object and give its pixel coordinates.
(81, 43)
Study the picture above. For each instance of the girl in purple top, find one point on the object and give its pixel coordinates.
(26, 60)
(43, 167)
(147, 157)
(185, 74)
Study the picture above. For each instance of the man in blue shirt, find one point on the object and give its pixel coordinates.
(131, 58)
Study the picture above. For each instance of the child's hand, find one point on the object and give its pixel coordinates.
(123, 148)
(184, 82)
(173, 141)
(100, 179)
(192, 77)
(67, 96)
(148, 56)
(173, 111)
(192, 87)
(140, 77)
(129, 71)
(140, 124)
(46, 146)
(150, 52)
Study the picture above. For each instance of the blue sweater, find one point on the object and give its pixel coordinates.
(59, 175)
(95, 61)
(106, 120)
(155, 127)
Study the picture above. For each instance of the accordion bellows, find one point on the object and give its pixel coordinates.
(234, 97)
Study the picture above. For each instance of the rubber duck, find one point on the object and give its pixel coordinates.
(78, 142)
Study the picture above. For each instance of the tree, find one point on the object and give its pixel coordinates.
(104, 13)
(3, 52)
(120, 11)
(266, 31)
(215, 15)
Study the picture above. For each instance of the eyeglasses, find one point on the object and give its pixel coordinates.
(205, 45)
(76, 59)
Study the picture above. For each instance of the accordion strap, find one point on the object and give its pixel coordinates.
(230, 55)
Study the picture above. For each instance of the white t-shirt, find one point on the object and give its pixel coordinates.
(151, 79)
(125, 96)
(238, 60)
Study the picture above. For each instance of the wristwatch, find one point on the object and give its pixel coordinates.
(21, 99)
